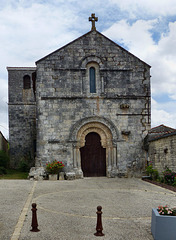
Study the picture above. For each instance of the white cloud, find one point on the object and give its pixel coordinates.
(162, 114)
(161, 56)
(136, 36)
(147, 7)
(163, 62)
(3, 108)
(173, 96)
(32, 31)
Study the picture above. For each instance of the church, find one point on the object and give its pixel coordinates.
(87, 104)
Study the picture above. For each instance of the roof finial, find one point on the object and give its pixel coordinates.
(93, 19)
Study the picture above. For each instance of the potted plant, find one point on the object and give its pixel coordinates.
(163, 223)
(53, 169)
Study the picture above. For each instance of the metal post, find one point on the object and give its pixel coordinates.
(99, 226)
(34, 224)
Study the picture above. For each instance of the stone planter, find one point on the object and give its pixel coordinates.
(163, 227)
(53, 177)
(61, 176)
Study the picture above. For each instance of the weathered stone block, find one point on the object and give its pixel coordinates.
(70, 176)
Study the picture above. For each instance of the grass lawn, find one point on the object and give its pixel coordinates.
(14, 174)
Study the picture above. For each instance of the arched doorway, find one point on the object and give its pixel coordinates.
(105, 133)
(93, 156)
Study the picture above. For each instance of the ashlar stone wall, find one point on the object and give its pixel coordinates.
(162, 153)
(65, 105)
(22, 116)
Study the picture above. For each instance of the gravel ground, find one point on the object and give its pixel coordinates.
(13, 195)
(66, 210)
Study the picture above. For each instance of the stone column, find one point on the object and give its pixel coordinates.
(109, 166)
(83, 75)
(115, 156)
(77, 162)
(102, 85)
(78, 157)
(74, 157)
(114, 161)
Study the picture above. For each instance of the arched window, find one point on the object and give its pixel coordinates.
(26, 82)
(92, 80)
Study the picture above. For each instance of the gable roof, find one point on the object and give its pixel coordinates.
(123, 49)
(160, 131)
(156, 133)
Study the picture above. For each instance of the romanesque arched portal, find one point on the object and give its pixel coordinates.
(106, 139)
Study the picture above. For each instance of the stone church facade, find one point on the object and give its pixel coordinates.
(86, 104)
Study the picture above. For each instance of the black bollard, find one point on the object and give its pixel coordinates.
(99, 226)
(34, 224)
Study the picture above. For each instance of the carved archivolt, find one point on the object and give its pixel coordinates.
(101, 129)
(89, 59)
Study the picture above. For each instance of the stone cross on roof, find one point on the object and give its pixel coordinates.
(93, 19)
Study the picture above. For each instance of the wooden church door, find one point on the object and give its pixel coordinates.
(93, 156)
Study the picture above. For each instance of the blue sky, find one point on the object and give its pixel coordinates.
(30, 29)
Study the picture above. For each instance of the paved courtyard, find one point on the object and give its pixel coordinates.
(67, 209)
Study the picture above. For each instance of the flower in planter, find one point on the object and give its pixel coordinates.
(54, 167)
(166, 210)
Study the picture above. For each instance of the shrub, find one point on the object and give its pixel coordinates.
(169, 176)
(4, 159)
(152, 172)
(174, 183)
(23, 166)
(162, 179)
(2, 171)
(149, 169)
(155, 174)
